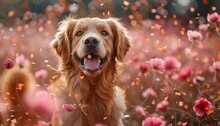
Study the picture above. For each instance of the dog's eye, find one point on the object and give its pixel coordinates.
(79, 33)
(105, 33)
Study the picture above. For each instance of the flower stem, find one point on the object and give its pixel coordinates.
(216, 81)
(198, 90)
(174, 109)
(191, 46)
(197, 119)
(208, 118)
(175, 118)
(154, 76)
(174, 89)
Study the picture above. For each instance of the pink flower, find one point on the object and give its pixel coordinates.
(203, 27)
(194, 36)
(213, 18)
(9, 64)
(185, 72)
(21, 61)
(171, 63)
(212, 69)
(140, 110)
(157, 64)
(188, 52)
(135, 59)
(43, 103)
(162, 106)
(143, 67)
(167, 89)
(149, 91)
(202, 106)
(152, 121)
(198, 79)
(41, 74)
(216, 66)
(69, 107)
(27, 16)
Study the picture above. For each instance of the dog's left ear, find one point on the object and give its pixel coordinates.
(121, 39)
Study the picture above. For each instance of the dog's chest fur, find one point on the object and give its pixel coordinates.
(95, 104)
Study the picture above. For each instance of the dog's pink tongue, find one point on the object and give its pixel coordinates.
(92, 63)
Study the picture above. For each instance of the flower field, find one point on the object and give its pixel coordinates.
(172, 71)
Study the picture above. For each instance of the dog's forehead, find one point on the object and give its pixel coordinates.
(93, 22)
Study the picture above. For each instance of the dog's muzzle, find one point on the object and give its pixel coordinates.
(92, 61)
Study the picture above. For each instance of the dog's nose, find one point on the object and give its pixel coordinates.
(91, 42)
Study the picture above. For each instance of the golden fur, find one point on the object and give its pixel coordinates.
(13, 97)
(98, 100)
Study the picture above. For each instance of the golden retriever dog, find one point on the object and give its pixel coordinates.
(91, 52)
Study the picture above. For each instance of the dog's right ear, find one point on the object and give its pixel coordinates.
(121, 39)
(63, 39)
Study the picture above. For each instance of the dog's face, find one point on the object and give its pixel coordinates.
(91, 43)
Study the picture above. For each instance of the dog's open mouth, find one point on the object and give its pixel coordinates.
(92, 63)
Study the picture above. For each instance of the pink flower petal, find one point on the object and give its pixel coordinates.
(9, 64)
(152, 121)
(69, 107)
